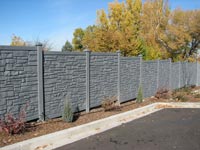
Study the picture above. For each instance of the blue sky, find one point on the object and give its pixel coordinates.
(55, 20)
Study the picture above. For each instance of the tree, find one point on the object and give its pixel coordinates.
(78, 38)
(172, 34)
(17, 41)
(181, 39)
(89, 37)
(67, 46)
(119, 29)
(150, 29)
(154, 18)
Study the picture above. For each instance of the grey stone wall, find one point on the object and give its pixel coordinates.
(164, 74)
(64, 76)
(183, 74)
(103, 77)
(192, 73)
(18, 80)
(175, 75)
(129, 74)
(149, 78)
(198, 74)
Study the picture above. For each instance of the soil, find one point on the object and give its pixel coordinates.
(36, 129)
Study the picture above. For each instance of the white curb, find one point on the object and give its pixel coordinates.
(60, 138)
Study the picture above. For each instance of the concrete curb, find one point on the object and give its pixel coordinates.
(60, 138)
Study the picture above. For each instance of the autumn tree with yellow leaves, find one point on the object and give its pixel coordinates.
(150, 29)
(17, 41)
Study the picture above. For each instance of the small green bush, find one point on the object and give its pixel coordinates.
(139, 98)
(67, 115)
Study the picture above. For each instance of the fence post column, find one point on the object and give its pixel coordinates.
(170, 73)
(40, 82)
(158, 65)
(118, 76)
(87, 52)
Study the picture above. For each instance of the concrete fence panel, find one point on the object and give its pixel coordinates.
(103, 77)
(198, 74)
(64, 76)
(130, 74)
(175, 75)
(18, 80)
(149, 78)
(183, 74)
(192, 73)
(164, 74)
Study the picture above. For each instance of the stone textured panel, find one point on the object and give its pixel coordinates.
(130, 74)
(164, 74)
(64, 76)
(149, 78)
(18, 82)
(103, 77)
(175, 75)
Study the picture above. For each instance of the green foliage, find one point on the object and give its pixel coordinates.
(139, 98)
(67, 46)
(67, 115)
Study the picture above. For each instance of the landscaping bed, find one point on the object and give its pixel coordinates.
(35, 129)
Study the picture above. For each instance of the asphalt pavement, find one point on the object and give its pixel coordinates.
(168, 129)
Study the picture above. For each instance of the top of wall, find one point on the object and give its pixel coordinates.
(19, 48)
(79, 53)
(63, 53)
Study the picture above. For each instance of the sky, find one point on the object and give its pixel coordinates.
(56, 20)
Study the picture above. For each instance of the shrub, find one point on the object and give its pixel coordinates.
(197, 96)
(67, 115)
(139, 98)
(110, 103)
(12, 125)
(181, 98)
(163, 93)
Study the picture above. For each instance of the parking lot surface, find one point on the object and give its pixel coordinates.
(168, 129)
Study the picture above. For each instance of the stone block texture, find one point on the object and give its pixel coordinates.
(175, 75)
(192, 73)
(18, 81)
(198, 74)
(164, 74)
(149, 78)
(183, 74)
(64, 76)
(103, 77)
(129, 76)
